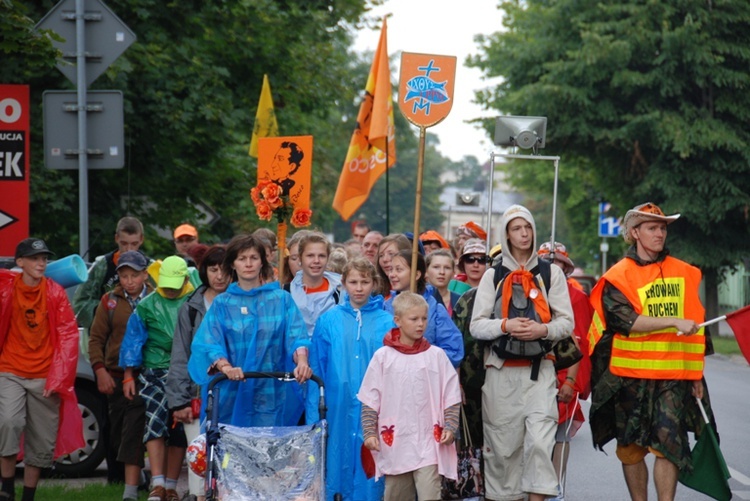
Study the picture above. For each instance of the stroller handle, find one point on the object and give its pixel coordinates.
(286, 377)
(282, 376)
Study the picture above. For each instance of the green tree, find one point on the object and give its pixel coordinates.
(468, 173)
(646, 101)
(191, 84)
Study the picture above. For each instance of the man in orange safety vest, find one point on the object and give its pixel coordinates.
(647, 355)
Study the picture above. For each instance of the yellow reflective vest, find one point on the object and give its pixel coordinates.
(664, 289)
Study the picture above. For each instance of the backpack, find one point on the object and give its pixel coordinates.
(508, 347)
(565, 350)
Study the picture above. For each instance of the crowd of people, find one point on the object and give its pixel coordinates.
(474, 341)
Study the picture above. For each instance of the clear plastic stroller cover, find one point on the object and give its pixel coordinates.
(271, 463)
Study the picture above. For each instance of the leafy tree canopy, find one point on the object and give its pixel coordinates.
(646, 101)
(191, 83)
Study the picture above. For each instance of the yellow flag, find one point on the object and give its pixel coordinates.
(373, 139)
(265, 118)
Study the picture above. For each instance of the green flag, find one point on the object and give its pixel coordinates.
(710, 472)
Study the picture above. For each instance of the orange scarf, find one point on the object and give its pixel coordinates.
(526, 279)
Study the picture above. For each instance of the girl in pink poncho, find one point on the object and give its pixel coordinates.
(410, 395)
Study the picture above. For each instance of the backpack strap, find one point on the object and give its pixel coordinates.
(192, 313)
(544, 270)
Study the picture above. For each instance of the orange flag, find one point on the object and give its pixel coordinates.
(374, 137)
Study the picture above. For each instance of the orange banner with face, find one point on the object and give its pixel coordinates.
(287, 162)
(425, 90)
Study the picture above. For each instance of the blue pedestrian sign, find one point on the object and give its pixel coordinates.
(608, 225)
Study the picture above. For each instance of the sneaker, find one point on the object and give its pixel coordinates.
(158, 493)
(172, 495)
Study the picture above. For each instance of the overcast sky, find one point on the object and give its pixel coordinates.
(445, 27)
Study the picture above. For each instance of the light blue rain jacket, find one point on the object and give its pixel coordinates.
(314, 305)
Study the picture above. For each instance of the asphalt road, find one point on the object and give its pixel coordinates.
(596, 476)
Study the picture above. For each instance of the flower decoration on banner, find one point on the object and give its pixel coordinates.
(269, 201)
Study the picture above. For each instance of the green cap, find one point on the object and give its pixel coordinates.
(172, 273)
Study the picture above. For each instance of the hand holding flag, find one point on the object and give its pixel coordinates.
(739, 322)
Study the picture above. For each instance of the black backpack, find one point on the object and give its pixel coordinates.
(508, 347)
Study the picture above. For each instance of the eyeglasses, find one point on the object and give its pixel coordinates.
(477, 259)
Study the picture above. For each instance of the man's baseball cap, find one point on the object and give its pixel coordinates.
(132, 259)
(172, 273)
(185, 230)
(32, 247)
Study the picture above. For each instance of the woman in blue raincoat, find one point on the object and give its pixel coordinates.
(253, 326)
(344, 341)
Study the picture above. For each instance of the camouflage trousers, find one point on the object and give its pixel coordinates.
(648, 412)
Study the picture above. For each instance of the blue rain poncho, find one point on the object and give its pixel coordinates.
(258, 330)
(343, 343)
(440, 331)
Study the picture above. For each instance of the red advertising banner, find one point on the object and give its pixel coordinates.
(14, 166)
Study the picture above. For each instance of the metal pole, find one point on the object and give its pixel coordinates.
(448, 225)
(417, 211)
(489, 209)
(554, 210)
(83, 177)
(556, 161)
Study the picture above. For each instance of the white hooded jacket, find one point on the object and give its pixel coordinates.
(485, 328)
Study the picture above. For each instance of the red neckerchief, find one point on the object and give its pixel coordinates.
(393, 339)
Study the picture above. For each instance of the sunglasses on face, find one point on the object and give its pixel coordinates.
(477, 259)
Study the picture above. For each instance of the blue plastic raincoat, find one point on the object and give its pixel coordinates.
(343, 343)
(441, 331)
(258, 330)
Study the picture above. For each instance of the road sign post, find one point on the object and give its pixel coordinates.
(95, 22)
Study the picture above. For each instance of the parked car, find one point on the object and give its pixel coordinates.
(84, 461)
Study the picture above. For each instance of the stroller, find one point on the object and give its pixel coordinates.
(264, 462)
